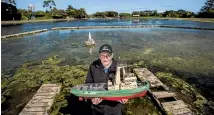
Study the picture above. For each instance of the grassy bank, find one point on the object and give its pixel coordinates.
(165, 18)
(6, 23)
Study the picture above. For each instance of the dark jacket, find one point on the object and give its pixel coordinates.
(96, 74)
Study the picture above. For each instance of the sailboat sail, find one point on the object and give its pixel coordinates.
(89, 36)
(90, 41)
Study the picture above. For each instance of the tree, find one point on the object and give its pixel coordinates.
(80, 13)
(70, 7)
(209, 5)
(188, 14)
(9, 10)
(100, 14)
(142, 13)
(25, 14)
(146, 13)
(181, 13)
(76, 13)
(49, 4)
(9, 2)
(83, 12)
(40, 14)
(70, 11)
(124, 15)
(207, 11)
(58, 13)
(111, 14)
(154, 13)
(178, 14)
(62, 13)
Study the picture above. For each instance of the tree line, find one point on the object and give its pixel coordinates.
(147, 13)
(53, 12)
(207, 11)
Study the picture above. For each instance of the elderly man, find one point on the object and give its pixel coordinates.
(98, 73)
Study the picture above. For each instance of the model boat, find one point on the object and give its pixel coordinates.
(121, 86)
(90, 41)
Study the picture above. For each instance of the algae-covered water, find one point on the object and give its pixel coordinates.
(185, 52)
(181, 49)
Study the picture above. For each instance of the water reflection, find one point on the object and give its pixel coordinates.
(90, 49)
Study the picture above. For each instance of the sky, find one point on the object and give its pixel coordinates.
(93, 6)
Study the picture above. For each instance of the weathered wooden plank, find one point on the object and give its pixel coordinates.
(171, 103)
(182, 111)
(42, 100)
(35, 109)
(163, 94)
(32, 113)
(145, 75)
(38, 104)
(177, 107)
(45, 94)
(48, 101)
(43, 97)
(49, 89)
(50, 85)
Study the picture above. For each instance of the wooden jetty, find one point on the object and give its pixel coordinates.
(160, 94)
(97, 27)
(42, 101)
(24, 33)
(137, 26)
(16, 22)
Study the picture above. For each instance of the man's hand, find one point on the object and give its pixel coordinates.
(123, 101)
(96, 101)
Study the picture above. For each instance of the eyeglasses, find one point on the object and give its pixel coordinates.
(105, 56)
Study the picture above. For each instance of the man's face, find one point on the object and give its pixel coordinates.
(105, 58)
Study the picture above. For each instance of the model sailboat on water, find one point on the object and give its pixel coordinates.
(90, 41)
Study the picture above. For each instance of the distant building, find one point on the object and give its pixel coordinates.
(136, 15)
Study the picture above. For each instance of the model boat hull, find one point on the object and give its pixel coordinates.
(100, 91)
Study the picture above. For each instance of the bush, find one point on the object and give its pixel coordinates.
(124, 15)
(40, 14)
(24, 18)
(206, 15)
(57, 17)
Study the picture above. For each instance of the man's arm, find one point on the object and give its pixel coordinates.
(89, 77)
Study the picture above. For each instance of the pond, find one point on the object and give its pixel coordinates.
(179, 49)
(190, 48)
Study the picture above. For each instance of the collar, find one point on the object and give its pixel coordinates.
(108, 66)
